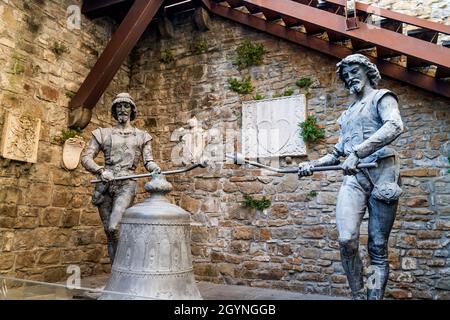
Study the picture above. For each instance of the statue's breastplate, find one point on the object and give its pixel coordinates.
(360, 122)
(122, 150)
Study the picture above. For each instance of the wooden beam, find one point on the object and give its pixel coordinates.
(90, 6)
(115, 53)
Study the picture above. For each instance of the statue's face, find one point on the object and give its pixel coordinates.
(123, 111)
(355, 76)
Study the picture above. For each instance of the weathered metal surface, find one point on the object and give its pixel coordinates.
(153, 258)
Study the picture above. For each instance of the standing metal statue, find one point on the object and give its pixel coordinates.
(367, 128)
(123, 146)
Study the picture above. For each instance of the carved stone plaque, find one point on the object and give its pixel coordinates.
(270, 127)
(20, 138)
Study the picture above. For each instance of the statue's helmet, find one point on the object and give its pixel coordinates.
(372, 71)
(120, 98)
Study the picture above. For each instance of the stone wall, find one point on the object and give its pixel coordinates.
(46, 220)
(293, 244)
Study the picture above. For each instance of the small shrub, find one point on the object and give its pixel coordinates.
(167, 57)
(67, 134)
(310, 131)
(249, 201)
(243, 87)
(288, 92)
(18, 66)
(59, 48)
(311, 195)
(249, 54)
(200, 47)
(70, 94)
(277, 95)
(304, 82)
(258, 96)
(32, 24)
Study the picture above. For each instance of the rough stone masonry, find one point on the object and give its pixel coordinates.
(47, 222)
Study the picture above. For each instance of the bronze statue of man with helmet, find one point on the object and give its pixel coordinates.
(123, 146)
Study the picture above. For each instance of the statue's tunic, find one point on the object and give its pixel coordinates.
(122, 150)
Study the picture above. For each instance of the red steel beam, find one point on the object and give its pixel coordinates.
(384, 38)
(387, 68)
(426, 24)
(115, 53)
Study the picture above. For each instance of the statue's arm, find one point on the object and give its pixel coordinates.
(147, 154)
(332, 158)
(392, 127)
(89, 154)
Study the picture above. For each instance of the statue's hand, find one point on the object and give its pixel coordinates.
(350, 164)
(156, 170)
(305, 169)
(107, 175)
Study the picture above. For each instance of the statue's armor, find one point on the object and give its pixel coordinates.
(122, 150)
(359, 122)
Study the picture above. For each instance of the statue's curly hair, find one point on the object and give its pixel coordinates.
(372, 71)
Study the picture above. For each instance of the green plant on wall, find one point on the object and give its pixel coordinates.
(59, 48)
(258, 96)
(251, 202)
(310, 131)
(311, 195)
(33, 24)
(249, 54)
(277, 94)
(201, 46)
(304, 82)
(67, 134)
(18, 64)
(167, 57)
(288, 92)
(70, 94)
(242, 87)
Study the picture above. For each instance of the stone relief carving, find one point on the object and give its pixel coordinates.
(20, 139)
(270, 127)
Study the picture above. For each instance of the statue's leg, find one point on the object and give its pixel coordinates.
(104, 210)
(350, 209)
(381, 219)
(123, 199)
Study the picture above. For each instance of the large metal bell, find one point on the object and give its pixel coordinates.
(153, 259)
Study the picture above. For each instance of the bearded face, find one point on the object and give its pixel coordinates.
(355, 77)
(123, 111)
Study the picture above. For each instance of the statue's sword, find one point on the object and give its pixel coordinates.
(202, 164)
(239, 159)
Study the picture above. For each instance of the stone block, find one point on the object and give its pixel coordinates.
(244, 233)
(189, 204)
(6, 261)
(279, 211)
(209, 185)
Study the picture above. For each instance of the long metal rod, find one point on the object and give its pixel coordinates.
(145, 175)
(239, 159)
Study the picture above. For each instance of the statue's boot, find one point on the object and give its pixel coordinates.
(353, 268)
(377, 282)
(113, 240)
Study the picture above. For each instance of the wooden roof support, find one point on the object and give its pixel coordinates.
(115, 53)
